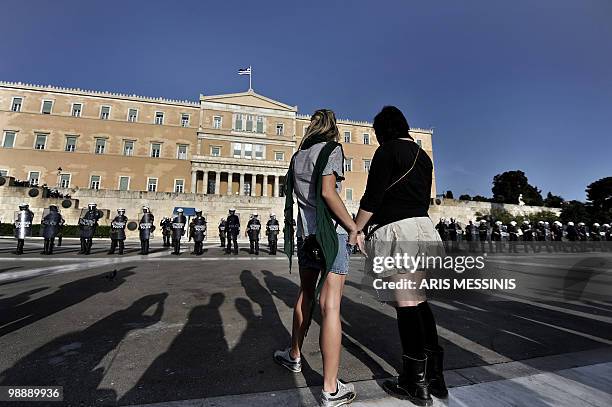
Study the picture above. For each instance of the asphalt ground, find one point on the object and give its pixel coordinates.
(166, 327)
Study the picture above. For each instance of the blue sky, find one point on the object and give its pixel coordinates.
(506, 85)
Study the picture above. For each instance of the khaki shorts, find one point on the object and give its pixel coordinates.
(412, 237)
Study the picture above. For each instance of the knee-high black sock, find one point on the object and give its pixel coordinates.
(411, 331)
(429, 325)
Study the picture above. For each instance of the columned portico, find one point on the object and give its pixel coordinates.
(254, 191)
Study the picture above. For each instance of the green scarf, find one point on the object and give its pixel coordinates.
(326, 232)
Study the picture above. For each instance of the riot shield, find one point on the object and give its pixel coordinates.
(50, 224)
(146, 226)
(88, 221)
(23, 224)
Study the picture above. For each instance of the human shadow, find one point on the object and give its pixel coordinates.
(72, 360)
(195, 364)
(17, 299)
(74, 292)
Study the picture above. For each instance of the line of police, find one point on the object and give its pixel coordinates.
(172, 230)
(497, 233)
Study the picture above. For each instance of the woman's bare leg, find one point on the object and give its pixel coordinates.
(301, 310)
(330, 338)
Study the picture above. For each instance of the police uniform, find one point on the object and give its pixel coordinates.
(253, 229)
(146, 226)
(23, 226)
(178, 230)
(51, 224)
(88, 223)
(232, 226)
(166, 228)
(272, 231)
(198, 233)
(222, 231)
(483, 231)
(117, 232)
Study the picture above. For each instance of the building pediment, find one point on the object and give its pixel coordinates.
(250, 99)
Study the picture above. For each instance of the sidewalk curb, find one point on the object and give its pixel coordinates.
(371, 390)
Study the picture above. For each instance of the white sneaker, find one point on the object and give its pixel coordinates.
(344, 395)
(283, 358)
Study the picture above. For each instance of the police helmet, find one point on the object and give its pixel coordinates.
(525, 222)
(273, 215)
(546, 223)
(91, 205)
(179, 210)
(483, 222)
(596, 224)
(513, 223)
(570, 223)
(23, 206)
(255, 214)
(121, 211)
(605, 225)
(53, 208)
(580, 223)
(232, 210)
(198, 211)
(145, 209)
(557, 223)
(498, 222)
(540, 222)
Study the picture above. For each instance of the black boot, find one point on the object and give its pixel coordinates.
(19, 250)
(51, 244)
(434, 373)
(45, 247)
(82, 251)
(121, 246)
(411, 384)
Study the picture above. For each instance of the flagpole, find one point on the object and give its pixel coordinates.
(250, 77)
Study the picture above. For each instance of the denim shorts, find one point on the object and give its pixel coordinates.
(341, 262)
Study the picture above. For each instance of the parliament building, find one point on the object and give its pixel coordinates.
(232, 144)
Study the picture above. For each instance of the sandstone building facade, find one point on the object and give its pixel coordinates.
(233, 144)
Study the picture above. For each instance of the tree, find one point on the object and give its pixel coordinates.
(553, 201)
(509, 185)
(480, 198)
(575, 211)
(465, 197)
(546, 216)
(449, 195)
(599, 195)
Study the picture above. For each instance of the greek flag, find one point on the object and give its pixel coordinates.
(244, 71)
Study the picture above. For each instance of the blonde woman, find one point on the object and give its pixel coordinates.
(326, 233)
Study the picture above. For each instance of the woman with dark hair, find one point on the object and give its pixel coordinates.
(326, 233)
(395, 208)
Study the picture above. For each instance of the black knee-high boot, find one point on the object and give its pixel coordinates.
(121, 246)
(434, 352)
(20, 244)
(412, 382)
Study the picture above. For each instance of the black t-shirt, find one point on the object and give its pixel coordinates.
(408, 198)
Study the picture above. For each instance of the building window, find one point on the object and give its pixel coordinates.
(159, 117)
(184, 120)
(76, 109)
(151, 184)
(3, 173)
(347, 136)
(33, 177)
(95, 181)
(155, 150)
(16, 105)
(259, 151)
(215, 151)
(249, 123)
(217, 122)
(366, 165)
(348, 164)
(248, 150)
(64, 181)
(237, 150)
(181, 152)
(132, 115)
(100, 146)
(128, 148)
(179, 186)
(41, 142)
(260, 124)
(9, 139)
(47, 107)
(70, 144)
(279, 156)
(124, 183)
(349, 194)
(210, 188)
(238, 125)
(419, 142)
(366, 138)
(105, 112)
(280, 129)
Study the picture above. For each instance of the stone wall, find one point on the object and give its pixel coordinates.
(214, 207)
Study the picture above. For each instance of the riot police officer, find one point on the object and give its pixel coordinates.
(146, 226)
(595, 232)
(582, 232)
(222, 231)
(117, 232)
(166, 228)
(607, 232)
(232, 226)
(51, 224)
(88, 223)
(178, 230)
(452, 233)
(527, 235)
(513, 236)
(23, 226)
(496, 235)
(252, 230)
(272, 231)
(471, 235)
(198, 232)
(442, 229)
(483, 231)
